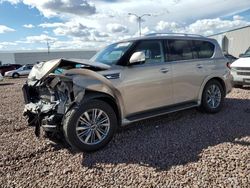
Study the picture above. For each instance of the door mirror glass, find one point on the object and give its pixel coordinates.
(137, 57)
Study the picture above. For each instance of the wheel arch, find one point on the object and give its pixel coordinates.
(89, 95)
(220, 80)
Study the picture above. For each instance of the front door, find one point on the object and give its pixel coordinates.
(147, 86)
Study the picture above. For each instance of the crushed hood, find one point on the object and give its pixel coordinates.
(43, 69)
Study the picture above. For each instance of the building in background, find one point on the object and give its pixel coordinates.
(234, 42)
(33, 57)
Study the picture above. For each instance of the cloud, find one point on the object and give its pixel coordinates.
(7, 45)
(5, 29)
(117, 28)
(13, 2)
(78, 7)
(72, 29)
(51, 25)
(50, 8)
(76, 29)
(166, 26)
(203, 26)
(29, 26)
(38, 39)
(212, 26)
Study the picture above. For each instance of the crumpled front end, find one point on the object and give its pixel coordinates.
(50, 95)
(47, 102)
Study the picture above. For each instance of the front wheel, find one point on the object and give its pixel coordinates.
(212, 97)
(15, 75)
(90, 126)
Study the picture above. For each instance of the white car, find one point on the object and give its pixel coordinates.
(240, 70)
(22, 71)
(1, 77)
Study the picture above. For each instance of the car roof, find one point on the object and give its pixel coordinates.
(160, 36)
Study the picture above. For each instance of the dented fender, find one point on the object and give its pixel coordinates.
(84, 79)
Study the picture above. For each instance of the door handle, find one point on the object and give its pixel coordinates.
(164, 70)
(199, 66)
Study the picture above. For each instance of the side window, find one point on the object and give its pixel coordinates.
(203, 49)
(152, 50)
(179, 50)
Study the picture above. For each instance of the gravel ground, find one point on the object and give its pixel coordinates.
(184, 149)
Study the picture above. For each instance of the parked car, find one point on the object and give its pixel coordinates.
(230, 58)
(8, 67)
(240, 70)
(22, 71)
(1, 77)
(126, 82)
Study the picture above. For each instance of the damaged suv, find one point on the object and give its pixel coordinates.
(87, 100)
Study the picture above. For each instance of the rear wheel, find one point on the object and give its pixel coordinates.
(15, 75)
(212, 97)
(90, 126)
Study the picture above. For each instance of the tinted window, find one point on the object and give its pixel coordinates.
(152, 50)
(203, 49)
(179, 50)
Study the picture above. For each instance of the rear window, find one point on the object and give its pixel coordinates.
(180, 50)
(203, 49)
(189, 49)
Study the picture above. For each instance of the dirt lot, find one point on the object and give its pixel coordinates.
(184, 149)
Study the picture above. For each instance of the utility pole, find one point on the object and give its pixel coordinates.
(139, 18)
(48, 46)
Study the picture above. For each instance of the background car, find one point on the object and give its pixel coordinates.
(22, 71)
(240, 70)
(1, 77)
(8, 67)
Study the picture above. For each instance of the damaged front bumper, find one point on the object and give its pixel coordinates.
(49, 96)
(41, 112)
(47, 103)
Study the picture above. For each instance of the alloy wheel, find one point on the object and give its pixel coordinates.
(213, 96)
(93, 126)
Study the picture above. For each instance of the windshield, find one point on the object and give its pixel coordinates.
(247, 53)
(112, 53)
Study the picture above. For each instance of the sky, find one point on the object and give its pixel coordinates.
(93, 24)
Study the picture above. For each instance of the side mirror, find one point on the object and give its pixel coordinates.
(241, 55)
(137, 57)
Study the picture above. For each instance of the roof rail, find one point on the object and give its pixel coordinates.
(180, 34)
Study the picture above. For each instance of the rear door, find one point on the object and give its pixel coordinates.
(189, 71)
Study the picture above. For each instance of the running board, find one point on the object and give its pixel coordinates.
(159, 111)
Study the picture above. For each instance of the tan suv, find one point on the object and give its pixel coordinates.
(87, 100)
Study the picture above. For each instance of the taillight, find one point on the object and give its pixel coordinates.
(228, 65)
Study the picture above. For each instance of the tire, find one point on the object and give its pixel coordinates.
(15, 75)
(77, 138)
(207, 105)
